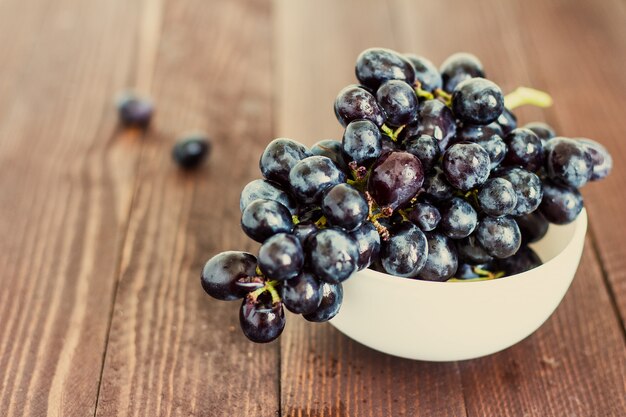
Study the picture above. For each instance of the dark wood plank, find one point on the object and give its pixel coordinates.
(575, 364)
(66, 189)
(582, 64)
(323, 372)
(173, 350)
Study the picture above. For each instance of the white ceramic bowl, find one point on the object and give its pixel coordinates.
(449, 321)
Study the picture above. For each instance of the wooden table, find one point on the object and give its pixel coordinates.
(102, 238)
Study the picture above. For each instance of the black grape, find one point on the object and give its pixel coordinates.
(221, 272)
(374, 66)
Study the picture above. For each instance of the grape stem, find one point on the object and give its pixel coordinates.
(270, 286)
(483, 275)
(321, 222)
(524, 95)
(393, 134)
(295, 219)
(427, 95)
(375, 214)
(444, 96)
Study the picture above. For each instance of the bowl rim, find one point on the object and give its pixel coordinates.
(580, 229)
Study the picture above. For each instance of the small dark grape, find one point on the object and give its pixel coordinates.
(399, 101)
(264, 218)
(191, 151)
(332, 297)
(389, 145)
(435, 119)
(134, 111)
(560, 204)
(261, 321)
(507, 121)
(302, 295)
(374, 66)
(497, 197)
(425, 72)
(332, 149)
(470, 251)
(221, 272)
(425, 216)
(466, 165)
(362, 142)
(533, 226)
(477, 101)
(426, 148)
(279, 157)
(473, 133)
(569, 164)
(458, 218)
(528, 189)
(355, 103)
(310, 177)
(281, 257)
(395, 179)
(368, 241)
(459, 67)
(499, 236)
(442, 260)
(304, 230)
(332, 255)
(524, 149)
(600, 157)
(404, 253)
(266, 190)
(542, 130)
(496, 149)
(436, 185)
(524, 260)
(345, 207)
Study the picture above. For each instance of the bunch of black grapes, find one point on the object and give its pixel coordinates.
(432, 180)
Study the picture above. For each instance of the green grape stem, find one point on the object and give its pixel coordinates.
(525, 95)
(270, 286)
(393, 134)
(444, 96)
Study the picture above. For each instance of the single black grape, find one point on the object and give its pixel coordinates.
(528, 189)
(459, 67)
(362, 142)
(426, 216)
(600, 157)
(404, 253)
(281, 257)
(374, 66)
(442, 260)
(470, 251)
(395, 179)
(507, 121)
(332, 149)
(436, 185)
(533, 226)
(499, 236)
(134, 111)
(473, 133)
(332, 297)
(344, 206)
(310, 177)
(524, 260)
(260, 320)
(399, 101)
(524, 149)
(425, 72)
(221, 273)
(435, 119)
(355, 103)
(458, 218)
(466, 165)
(304, 230)
(302, 295)
(542, 130)
(266, 190)
(264, 218)
(191, 151)
(477, 101)
(569, 164)
(426, 148)
(332, 255)
(497, 197)
(560, 204)
(496, 149)
(279, 157)
(368, 241)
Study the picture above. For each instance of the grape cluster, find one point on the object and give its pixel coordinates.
(432, 180)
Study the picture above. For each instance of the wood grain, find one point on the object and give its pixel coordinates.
(323, 372)
(66, 182)
(172, 350)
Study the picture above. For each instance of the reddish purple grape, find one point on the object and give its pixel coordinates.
(355, 103)
(395, 179)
